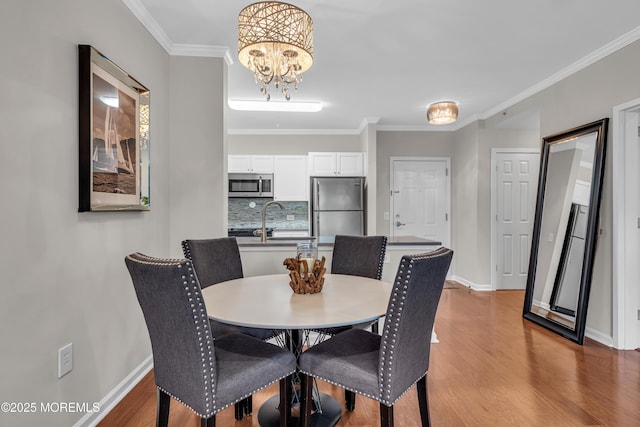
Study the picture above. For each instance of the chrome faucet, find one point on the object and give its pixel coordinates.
(263, 236)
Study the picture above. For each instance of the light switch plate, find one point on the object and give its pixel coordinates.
(65, 360)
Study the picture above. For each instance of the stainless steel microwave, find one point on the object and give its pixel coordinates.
(250, 185)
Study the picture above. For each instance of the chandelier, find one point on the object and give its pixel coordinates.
(442, 113)
(275, 42)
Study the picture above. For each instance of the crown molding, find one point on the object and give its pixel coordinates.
(203, 51)
(417, 128)
(143, 15)
(293, 132)
(593, 57)
(174, 49)
(366, 122)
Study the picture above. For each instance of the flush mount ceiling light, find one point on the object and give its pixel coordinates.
(291, 106)
(275, 42)
(442, 113)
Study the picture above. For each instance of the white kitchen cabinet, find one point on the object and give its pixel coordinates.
(335, 164)
(290, 179)
(242, 163)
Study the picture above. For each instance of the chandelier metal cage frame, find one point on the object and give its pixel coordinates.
(275, 42)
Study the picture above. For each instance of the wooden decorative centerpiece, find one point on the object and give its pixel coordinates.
(303, 280)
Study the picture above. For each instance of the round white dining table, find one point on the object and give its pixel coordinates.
(269, 302)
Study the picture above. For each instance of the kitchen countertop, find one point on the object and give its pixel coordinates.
(254, 242)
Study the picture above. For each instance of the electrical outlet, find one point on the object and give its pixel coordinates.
(65, 360)
(387, 258)
(291, 217)
(386, 216)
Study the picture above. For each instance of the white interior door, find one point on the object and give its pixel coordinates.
(516, 176)
(420, 198)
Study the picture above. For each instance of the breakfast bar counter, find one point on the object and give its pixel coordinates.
(260, 258)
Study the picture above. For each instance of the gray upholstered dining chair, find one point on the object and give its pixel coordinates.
(357, 256)
(205, 374)
(217, 260)
(384, 367)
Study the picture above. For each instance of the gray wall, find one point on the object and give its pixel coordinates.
(584, 97)
(64, 278)
(198, 153)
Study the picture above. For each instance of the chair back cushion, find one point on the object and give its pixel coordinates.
(215, 260)
(359, 255)
(406, 338)
(176, 317)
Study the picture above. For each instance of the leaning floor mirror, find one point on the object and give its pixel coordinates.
(565, 229)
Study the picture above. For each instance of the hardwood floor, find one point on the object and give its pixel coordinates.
(490, 368)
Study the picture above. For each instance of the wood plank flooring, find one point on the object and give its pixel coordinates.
(490, 368)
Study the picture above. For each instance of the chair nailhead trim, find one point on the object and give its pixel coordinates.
(376, 398)
(193, 293)
(205, 340)
(218, 409)
(381, 258)
(389, 333)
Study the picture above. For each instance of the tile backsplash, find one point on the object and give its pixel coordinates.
(247, 213)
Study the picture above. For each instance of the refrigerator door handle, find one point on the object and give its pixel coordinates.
(316, 224)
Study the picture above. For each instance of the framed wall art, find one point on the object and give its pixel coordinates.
(113, 136)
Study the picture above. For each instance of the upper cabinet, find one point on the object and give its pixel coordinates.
(251, 164)
(335, 164)
(290, 179)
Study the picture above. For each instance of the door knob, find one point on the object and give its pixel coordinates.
(400, 224)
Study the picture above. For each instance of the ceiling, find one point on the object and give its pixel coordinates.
(383, 62)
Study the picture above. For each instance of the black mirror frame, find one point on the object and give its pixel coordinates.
(576, 334)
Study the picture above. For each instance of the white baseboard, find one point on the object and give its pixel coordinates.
(599, 337)
(472, 285)
(91, 419)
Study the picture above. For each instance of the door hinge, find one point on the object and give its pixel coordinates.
(638, 222)
(446, 171)
(446, 217)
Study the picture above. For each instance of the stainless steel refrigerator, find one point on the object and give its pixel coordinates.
(337, 206)
(566, 288)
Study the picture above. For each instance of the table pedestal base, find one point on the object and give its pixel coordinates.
(269, 415)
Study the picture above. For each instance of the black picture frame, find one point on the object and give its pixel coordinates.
(537, 309)
(113, 136)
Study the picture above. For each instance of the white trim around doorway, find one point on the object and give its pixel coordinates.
(626, 295)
